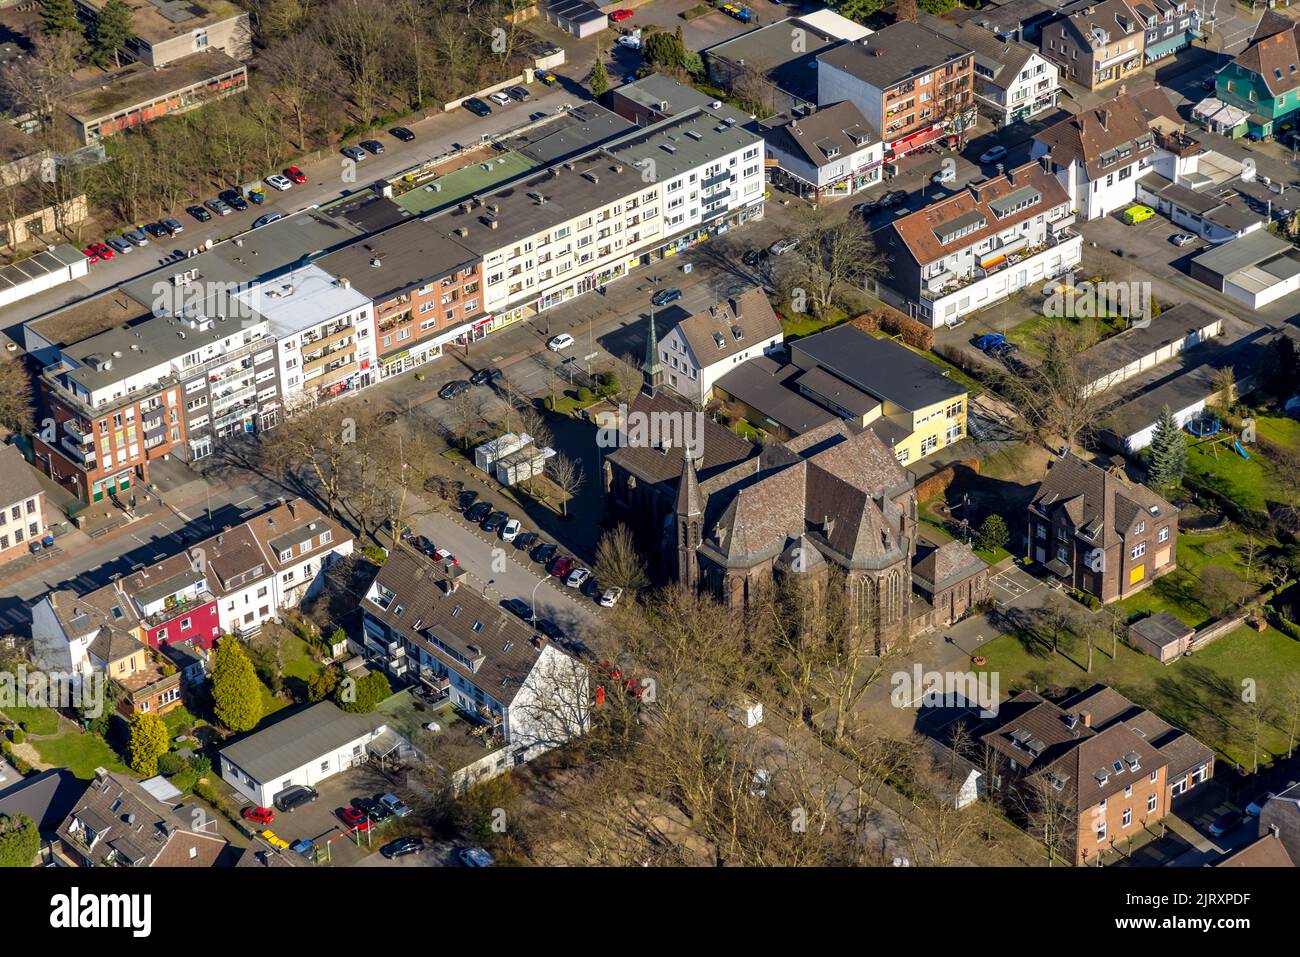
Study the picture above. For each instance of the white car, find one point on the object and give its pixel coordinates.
(782, 246)
(511, 530)
(993, 155)
(560, 343)
(276, 181)
(1182, 239)
(576, 577)
(630, 42)
(945, 175)
(610, 597)
(476, 857)
(499, 98)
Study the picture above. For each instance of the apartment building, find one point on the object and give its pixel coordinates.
(1099, 154)
(323, 331)
(427, 290)
(1263, 82)
(1096, 44)
(1098, 532)
(824, 153)
(163, 31)
(22, 504)
(1169, 25)
(580, 224)
(880, 385)
(708, 344)
(911, 84)
(1013, 81)
(979, 246)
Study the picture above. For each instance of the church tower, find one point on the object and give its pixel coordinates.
(652, 371)
(690, 523)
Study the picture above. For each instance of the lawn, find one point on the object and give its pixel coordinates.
(1181, 591)
(1201, 694)
(34, 720)
(798, 324)
(298, 662)
(1251, 483)
(79, 752)
(1028, 335)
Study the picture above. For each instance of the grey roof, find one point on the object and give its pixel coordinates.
(1009, 17)
(40, 264)
(770, 51)
(879, 367)
(942, 567)
(832, 387)
(1248, 250)
(1099, 506)
(47, 798)
(1004, 58)
(403, 258)
(663, 94)
(763, 384)
(823, 137)
(577, 131)
(1161, 629)
(17, 479)
(1172, 325)
(297, 740)
(684, 140)
(894, 54)
(730, 326)
(575, 11)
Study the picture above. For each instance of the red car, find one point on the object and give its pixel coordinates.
(618, 16)
(295, 174)
(90, 254)
(105, 252)
(563, 566)
(355, 818)
(258, 815)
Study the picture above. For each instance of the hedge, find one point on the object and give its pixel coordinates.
(885, 319)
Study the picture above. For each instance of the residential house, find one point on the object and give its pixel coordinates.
(823, 153)
(22, 504)
(707, 345)
(763, 392)
(1099, 154)
(423, 624)
(1096, 44)
(977, 247)
(907, 401)
(307, 747)
(1098, 532)
(1263, 82)
(1013, 81)
(117, 823)
(1169, 25)
(912, 85)
(46, 797)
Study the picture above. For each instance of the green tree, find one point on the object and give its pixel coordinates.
(236, 694)
(20, 840)
(361, 697)
(859, 10)
(322, 684)
(661, 49)
(599, 78)
(1168, 452)
(113, 27)
(936, 7)
(148, 743)
(993, 533)
(59, 17)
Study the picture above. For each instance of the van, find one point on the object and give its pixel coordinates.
(294, 797)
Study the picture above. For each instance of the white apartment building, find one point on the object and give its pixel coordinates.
(977, 247)
(324, 331)
(704, 347)
(1013, 81)
(581, 224)
(829, 153)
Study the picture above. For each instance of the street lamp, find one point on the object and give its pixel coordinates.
(488, 584)
(532, 600)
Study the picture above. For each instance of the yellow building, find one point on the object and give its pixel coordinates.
(905, 399)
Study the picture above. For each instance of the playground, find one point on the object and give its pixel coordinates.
(1241, 470)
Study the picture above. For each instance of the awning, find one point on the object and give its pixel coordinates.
(915, 141)
(1058, 567)
(1155, 51)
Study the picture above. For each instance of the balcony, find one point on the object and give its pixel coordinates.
(1056, 226)
(234, 415)
(178, 609)
(83, 455)
(335, 371)
(323, 362)
(80, 431)
(227, 399)
(716, 180)
(326, 337)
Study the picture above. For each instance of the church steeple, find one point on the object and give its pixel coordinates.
(652, 372)
(690, 522)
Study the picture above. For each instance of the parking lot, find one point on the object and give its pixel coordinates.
(1012, 584)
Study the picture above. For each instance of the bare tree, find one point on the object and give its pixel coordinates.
(15, 396)
(833, 254)
(618, 563)
(567, 476)
(299, 70)
(1047, 811)
(1056, 398)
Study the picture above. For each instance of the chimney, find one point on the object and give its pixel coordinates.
(1104, 116)
(1086, 718)
(290, 506)
(734, 302)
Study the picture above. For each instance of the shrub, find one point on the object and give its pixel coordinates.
(17, 735)
(548, 403)
(171, 763)
(374, 554)
(184, 781)
(586, 395)
(1287, 627)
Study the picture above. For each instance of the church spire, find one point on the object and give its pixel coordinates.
(690, 503)
(652, 372)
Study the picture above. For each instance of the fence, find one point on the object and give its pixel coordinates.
(1217, 629)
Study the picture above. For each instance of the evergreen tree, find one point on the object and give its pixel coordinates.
(236, 694)
(113, 27)
(993, 534)
(20, 840)
(1168, 452)
(599, 78)
(59, 17)
(148, 743)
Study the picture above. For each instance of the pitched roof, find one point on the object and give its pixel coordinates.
(1099, 137)
(17, 479)
(1101, 506)
(290, 743)
(1265, 851)
(722, 448)
(1274, 53)
(731, 326)
(946, 565)
(830, 134)
(1105, 21)
(1102, 764)
(1004, 58)
(46, 798)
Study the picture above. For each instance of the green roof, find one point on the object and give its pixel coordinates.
(463, 183)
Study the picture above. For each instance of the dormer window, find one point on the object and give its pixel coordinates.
(286, 555)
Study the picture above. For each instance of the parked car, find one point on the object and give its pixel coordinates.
(518, 607)
(445, 555)
(562, 566)
(173, 226)
(867, 210)
(354, 153)
(276, 181)
(156, 230)
(630, 41)
(753, 257)
(199, 213)
(1226, 823)
(465, 499)
(218, 206)
(546, 77)
(947, 174)
(371, 807)
(1256, 807)
(664, 296)
(258, 815)
(993, 154)
(373, 147)
(518, 93)
(402, 133)
(577, 577)
(609, 598)
(476, 857)
(119, 244)
(499, 98)
(293, 797)
(526, 540)
(394, 805)
(549, 628)
(478, 511)
(990, 339)
(453, 389)
(618, 16)
(354, 818)
(105, 252)
(782, 246)
(135, 237)
(402, 847)
(232, 199)
(421, 543)
(484, 376)
(493, 523)
(1182, 239)
(560, 343)
(893, 198)
(267, 219)
(510, 531)
(544, 552)
(295, 175)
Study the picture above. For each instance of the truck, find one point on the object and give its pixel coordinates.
(743, 14)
